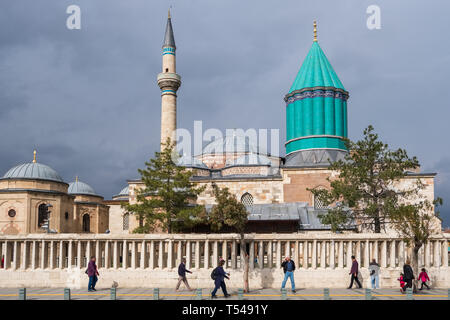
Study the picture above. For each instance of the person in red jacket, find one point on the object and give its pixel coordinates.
(423, 277)
(402, 283)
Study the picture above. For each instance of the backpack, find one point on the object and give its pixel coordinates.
(213, 274)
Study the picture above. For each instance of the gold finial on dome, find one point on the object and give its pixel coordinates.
(315, 31)
(34, 156)
(76, 178)
(169, 14)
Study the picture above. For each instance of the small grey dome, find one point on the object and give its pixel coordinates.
(191, 162)
(33, 170)
(124, 191)
(233, 143)
(250, 160)
(79, 187)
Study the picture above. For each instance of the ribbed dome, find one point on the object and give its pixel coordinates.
(316, 71)
(124, 191)
(251, 160)
(233, 143)
(33, 170)
(78, 187)
(191, 162)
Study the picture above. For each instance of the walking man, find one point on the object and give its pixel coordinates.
(288, 267)
(219, 280)
(182, 275)
(408, 274)
(374, 269)
(92, 272)
(354, 273)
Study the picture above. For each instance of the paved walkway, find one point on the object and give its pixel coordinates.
(262, 294)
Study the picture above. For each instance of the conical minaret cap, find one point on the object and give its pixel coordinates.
(169, 40)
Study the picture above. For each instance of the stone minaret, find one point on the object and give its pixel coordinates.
(169, 82)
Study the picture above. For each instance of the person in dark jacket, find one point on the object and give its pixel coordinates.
(92, 272)
(408, 274)
(354, 273)
(219, 280)
(182, 275)
(288, 267)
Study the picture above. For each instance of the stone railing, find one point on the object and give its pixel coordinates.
(163, 252)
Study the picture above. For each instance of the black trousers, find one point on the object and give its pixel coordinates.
(217, 285)
(422, 284)
(355, 278)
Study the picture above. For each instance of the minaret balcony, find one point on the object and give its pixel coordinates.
(169, 81)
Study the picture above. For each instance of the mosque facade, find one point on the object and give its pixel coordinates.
(34, 198)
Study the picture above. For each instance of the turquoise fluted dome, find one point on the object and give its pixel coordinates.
(78, 187)
(316, 107)
(33, 170)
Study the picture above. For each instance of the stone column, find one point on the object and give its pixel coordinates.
(349, 254)
(323, 254)
(79, 246)
(261, 254)
(61, 255)
(225, 252)
(375, 251)
(70, 254)
(392, 262)
(98, 254)
(278, 261)
(305, 255)
(206, 258)
(428, 254)
(437, 258)
(401, 253)
(24, 260)
(287, 250)
(444, 254)
(43, 254)
(314, 255)
(52, 255)
(151, 262)
(384, 254)
(188, 254)
(233, 254)
(125, 254)
(170, 254)
(269, 254)
(332, 257)
(366, 254)
(197, 254)
(33, 255)
(116, 255)
(341, 255)
(107, 255)
(143, 259)
(358, 252)
(7, 249)
(15, 257)
(251, 256)
(133, 255)
(161, 255)
(88, 252)
(179, 252)
(215, 253)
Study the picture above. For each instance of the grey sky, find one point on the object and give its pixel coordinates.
(87, 99)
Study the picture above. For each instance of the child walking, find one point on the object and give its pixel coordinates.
(402, 283)
(423, 277)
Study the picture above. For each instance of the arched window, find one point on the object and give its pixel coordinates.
(247, 199)
(126, 221)
(86, 223)
(42, 215)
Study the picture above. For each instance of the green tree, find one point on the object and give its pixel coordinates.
(366, 183)
(416, 223)
(228, 211)
(167, 200)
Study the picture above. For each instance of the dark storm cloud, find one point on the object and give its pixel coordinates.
(88, 100)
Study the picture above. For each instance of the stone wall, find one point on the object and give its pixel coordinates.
(323, 260)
